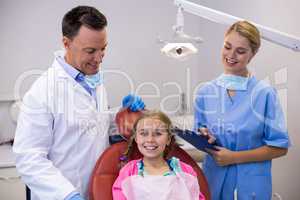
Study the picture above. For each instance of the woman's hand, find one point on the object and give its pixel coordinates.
(205, 132)
(223, 156)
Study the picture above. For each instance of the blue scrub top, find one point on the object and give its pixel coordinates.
(245, 121)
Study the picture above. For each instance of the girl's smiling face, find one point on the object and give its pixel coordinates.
(152, 138)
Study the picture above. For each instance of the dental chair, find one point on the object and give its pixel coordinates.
(108, 166)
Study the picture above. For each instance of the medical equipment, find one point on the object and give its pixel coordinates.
(93, 80)
(269, 34)
(179, 50)
(182, 47)
(232, 82)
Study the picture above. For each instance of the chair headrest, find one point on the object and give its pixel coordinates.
(125, 120)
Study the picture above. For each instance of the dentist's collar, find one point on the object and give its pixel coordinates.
(60, 53)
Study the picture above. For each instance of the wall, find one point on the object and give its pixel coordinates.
(31, 32)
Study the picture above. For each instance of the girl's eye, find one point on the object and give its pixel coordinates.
(90, 51)
(158, 133)
(227, 47)
(142, 133)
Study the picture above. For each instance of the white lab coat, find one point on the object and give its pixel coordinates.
(60, 134)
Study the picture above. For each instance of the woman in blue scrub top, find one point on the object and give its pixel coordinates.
(244, 116)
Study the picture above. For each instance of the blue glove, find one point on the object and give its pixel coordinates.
(134, 103)
(76, 197)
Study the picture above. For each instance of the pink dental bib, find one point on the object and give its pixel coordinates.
(181, 186)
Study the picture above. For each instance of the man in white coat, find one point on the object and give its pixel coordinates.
(64, 120)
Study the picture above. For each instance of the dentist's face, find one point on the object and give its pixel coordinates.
(152, 138)
(236, 54)
(86, 50)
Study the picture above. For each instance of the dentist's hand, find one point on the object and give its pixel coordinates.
(223, 156)
(134, 103)
(205, 132)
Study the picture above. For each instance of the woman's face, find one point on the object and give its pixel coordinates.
(236, 54)
(152, 138)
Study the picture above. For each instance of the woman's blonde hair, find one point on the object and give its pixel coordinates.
(132, 146)
(249, 31)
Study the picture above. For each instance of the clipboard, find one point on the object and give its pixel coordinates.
(200, 142)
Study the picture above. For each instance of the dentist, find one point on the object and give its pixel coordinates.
(64, 120)
(244, 115)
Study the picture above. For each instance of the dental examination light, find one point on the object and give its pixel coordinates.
(179, 50)
(182, 46)
(269, 34)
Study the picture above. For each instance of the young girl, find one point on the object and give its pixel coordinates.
(154, 177)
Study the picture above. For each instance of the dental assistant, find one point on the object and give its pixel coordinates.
(64, 120)
(244, 116)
